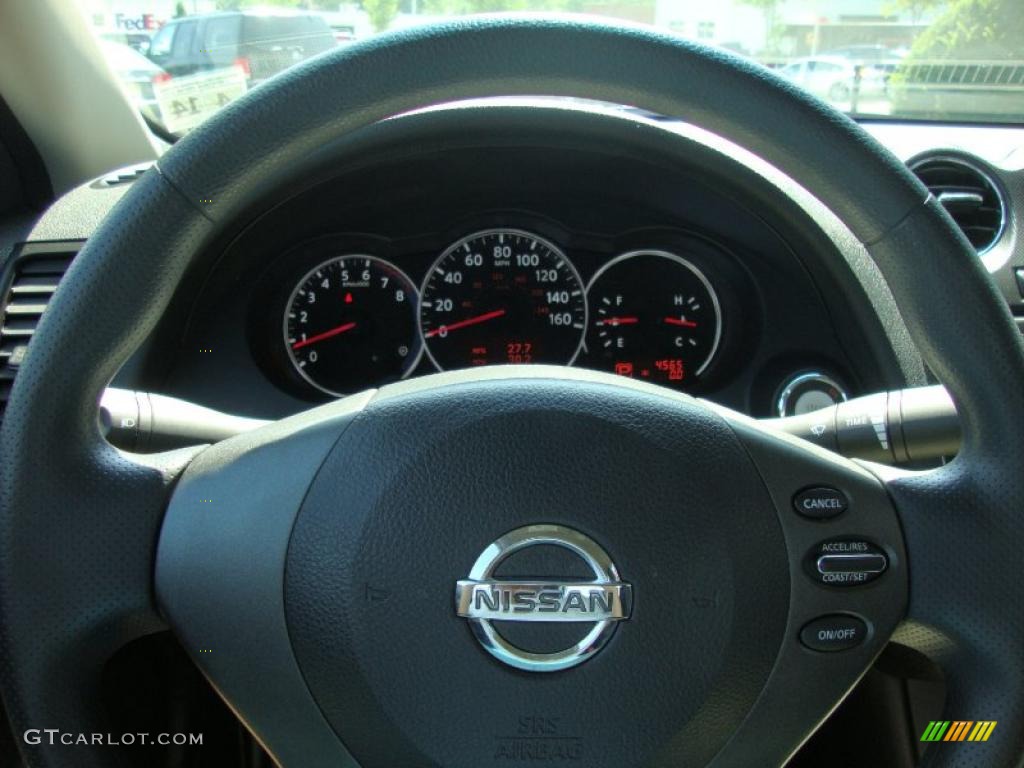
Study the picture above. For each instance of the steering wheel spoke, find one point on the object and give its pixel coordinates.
(848, 588)
(83, 580)
(220, 573)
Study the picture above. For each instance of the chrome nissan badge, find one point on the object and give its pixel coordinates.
(604, 601)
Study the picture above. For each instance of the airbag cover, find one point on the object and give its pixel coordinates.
(427, 477)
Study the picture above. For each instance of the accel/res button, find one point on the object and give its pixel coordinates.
(846, 562)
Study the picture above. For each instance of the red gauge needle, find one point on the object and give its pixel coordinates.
(618, 321)
(324, 335)
(463, 323)
(679, 321)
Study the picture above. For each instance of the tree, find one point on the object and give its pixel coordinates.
(496, 6)
(915, 7)
(974, 30)
(381, 12)
(966, 64)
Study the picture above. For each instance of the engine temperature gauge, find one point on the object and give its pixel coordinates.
(653, 316)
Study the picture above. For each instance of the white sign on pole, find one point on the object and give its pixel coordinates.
(186, 101)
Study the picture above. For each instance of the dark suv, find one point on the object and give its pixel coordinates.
(262, 44)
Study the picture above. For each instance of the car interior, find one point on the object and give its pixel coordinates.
(505, 389)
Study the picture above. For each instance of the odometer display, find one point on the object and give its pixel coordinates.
(502, 296)
(351, 323)
(655, 316)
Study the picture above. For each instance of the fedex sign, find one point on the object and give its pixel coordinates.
(144, 22)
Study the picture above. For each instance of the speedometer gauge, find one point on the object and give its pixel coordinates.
(351, 323)
(654, 316)
(502, 296)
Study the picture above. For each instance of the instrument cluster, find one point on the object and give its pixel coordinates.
(360, 314)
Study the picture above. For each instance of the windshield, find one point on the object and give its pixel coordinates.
(950, 60)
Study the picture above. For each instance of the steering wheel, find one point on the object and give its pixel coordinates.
(311, 567)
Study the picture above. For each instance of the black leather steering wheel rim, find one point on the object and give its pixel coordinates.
(79, 520)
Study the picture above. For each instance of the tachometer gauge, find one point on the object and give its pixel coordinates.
(502, 296)
(653, 316)
(351, 323)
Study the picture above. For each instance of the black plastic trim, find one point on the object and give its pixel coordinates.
(35, 185)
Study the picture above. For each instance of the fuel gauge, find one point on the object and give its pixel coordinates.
(653, 316)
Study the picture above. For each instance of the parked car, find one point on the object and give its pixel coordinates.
(136, 73)
(880, 57)
(348, 25)
(137, 41)
(261, 43)
(834, 77)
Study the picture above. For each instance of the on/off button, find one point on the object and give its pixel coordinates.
(838, 632)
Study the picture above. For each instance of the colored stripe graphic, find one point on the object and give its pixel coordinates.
(958, 730)
(935, 730)
(982, 730)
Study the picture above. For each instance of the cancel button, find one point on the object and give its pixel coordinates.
(820, 503)
(837, 632)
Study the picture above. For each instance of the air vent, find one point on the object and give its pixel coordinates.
(969, 195)
(122, 176)
(33, 277)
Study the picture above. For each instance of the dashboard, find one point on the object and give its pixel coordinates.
(521, 243)
(507, 235)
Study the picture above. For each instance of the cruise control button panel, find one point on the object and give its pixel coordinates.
(820, 503)
(837, 632)
(846, 562)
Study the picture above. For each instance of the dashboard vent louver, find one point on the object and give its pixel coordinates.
(122, 176)
(35, 277)
(969, 195)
